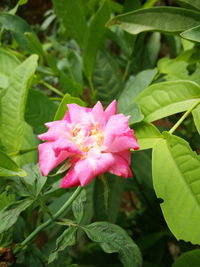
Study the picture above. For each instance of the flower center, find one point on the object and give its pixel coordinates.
(87, 136)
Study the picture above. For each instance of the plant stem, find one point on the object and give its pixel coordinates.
(53, 89)
(23, 151)
(183, 117)
(54, 217)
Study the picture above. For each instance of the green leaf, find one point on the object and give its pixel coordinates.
(163, 19)
(19, 3)
(17, 26)
(8, 167)
(178, 184)
(39, 110)
(189, 258)
(164, 99)
(67, 99)
(67, 238)
(78, 206)
(113, 238)
(72, 17)
(33, 43)
(94, 36)
(34, 180)
(10, 214)
(147, 135)
(107, 78)
(192, 34)
(6, 199)
(189, 3)
(133, 87)
(13, 105)
(196, 116)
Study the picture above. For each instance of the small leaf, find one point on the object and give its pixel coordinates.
(163, 19)
(67, 99)
(176, 180)
(67, 238)
(10, 214)
(8, 167)
(164, 99)
(189, 258)
(33, 43)
(6, 199)
(78, 206)
(113, 238)
(196, 116)
(147, 135)
(192, 34)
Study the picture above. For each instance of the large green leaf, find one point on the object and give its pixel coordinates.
(71, 14)
(10, 214)
(189, 258)
(113, 238)
(94, 36)
(147, 134)
(189, 3)
(196, 116)
(163, 99)
(13, 105)
(107, 78)
(192, 34)
(8, 167)
(163, 19)
(67, 99)
(176, 181)
(39, 110)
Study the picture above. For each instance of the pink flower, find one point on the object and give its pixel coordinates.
(90, 141)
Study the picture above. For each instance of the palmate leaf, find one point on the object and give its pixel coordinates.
(164, 99)
(13, 105)
(163, 19)
(176, 180)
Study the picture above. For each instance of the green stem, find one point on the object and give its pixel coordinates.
(54, 217)
(183, 117)
(126, 72)
(23, 151)
(53, 89)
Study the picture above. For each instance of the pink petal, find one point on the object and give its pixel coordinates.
(62, 144)
(120, 167)
(111, 110)
(70, 179)
(87, 169)
(98, 114)
(47, 159)
(118, 136)
(77, 113)
(56, 130)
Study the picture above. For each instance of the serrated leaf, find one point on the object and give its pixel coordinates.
(164, 19)
(147, 135)
(94, 36)
(39, 110)
(107, 78)
(72, 17)
(196, 116)
(189, 258)
(8, 167)
(78, 206)
(113, 238)
(178, 184)
(67, 99)
(192, 34)
(10, 214)
(13, 104)
(164, 99)
(67, 238)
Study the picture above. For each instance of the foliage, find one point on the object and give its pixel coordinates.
(143, 53)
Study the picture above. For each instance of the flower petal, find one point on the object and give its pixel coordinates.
(56, 130)
(70, 179)
(111, 110)
(120, 167)
(63, 144)
(98, 114)
(87, 169)
(77, 113)
(47, 159)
